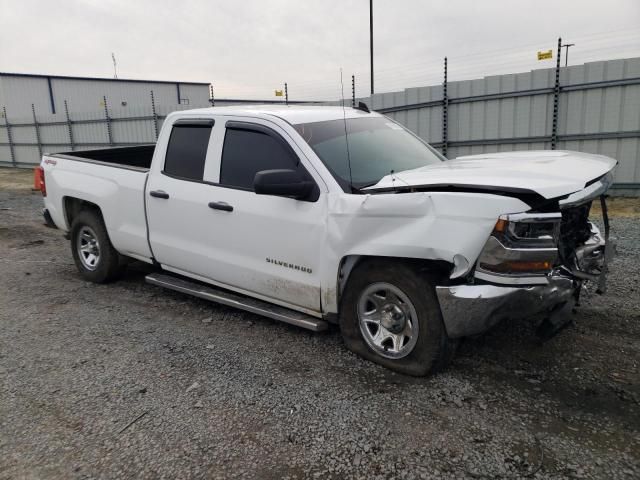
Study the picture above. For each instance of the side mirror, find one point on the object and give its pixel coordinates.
(283, 183)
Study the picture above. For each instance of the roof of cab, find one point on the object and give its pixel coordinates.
(293, 114)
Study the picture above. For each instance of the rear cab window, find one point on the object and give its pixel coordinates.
(187, 149)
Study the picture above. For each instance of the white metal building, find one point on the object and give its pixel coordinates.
(47, 93)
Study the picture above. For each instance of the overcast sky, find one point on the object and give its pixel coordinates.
(247, 48)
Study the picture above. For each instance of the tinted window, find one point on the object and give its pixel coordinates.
(187, 151)
(247, 152)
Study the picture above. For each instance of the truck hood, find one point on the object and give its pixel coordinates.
(550, 174)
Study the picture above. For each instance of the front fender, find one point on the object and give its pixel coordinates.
(437, 226)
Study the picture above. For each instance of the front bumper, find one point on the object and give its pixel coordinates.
(473, 309)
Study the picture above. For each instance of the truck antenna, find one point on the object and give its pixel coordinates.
(115, 67)
(346, 133)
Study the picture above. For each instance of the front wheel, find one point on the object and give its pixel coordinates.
(390, 315)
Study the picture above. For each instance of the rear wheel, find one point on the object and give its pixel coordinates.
(390, 315)
(94, 256)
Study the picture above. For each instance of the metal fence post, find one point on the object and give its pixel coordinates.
(11, 147)
(37, 127)
(556, 99)
(69, 127)
(108, 118)
(155, 115)
(353, 91)
(213, 99)
(445, 112)
(286, 94)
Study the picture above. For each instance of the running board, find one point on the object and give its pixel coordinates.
(236, 300)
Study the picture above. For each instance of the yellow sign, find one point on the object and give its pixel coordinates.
(545, 55)
(279, 93)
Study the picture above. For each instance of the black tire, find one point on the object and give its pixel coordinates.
(433, 350)
(109, 265)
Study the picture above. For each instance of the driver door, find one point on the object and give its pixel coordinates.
(266, 245)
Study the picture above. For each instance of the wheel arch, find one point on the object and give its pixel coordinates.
(440, 269)
(72, 206)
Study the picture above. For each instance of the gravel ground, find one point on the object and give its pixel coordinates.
(131, 381)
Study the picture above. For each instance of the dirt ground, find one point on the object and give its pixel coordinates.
(127, 380)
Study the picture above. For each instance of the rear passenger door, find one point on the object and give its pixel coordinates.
(177, 199)
(268, 245)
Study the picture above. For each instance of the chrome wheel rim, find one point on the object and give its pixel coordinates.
(88, 248)
(388, 320)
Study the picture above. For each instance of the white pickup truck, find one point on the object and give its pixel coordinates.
(318, 215)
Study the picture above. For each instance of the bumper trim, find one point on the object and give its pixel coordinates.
(473, 309)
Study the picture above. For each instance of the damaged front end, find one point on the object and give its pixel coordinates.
(584, 251)
(533, 265)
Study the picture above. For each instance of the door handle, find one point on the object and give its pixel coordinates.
(221, 206)
(159, 194)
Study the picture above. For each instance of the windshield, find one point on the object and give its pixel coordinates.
(376, 145)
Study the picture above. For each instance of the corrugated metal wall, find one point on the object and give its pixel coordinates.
(599, 112)
(18, 92)
(87, 130)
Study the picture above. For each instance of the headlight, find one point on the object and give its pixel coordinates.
(520, 246)
(529, 230)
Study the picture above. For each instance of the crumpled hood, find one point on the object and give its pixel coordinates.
(550, 173)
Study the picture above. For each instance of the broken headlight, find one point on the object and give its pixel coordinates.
(529, 230)
(521, 245)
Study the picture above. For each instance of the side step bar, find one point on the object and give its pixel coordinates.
(236, 300)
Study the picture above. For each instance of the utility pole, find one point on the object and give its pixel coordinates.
(371, 40)
(566, 53)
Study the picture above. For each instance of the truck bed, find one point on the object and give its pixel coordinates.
(138, 156)
(112, 179)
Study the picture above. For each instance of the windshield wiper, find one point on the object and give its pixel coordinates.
(366, 185)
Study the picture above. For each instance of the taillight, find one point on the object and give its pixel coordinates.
(38, 181)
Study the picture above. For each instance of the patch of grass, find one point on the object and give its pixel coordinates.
(16, 178)
(620, 207)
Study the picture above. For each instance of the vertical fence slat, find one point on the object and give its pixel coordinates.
(108, 119)
(37, 129)
(445, 112)
(12, 151)
(353, 91)
(69, 126)
(155, 116)
(556, 99)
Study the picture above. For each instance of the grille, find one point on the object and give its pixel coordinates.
(574, 229)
